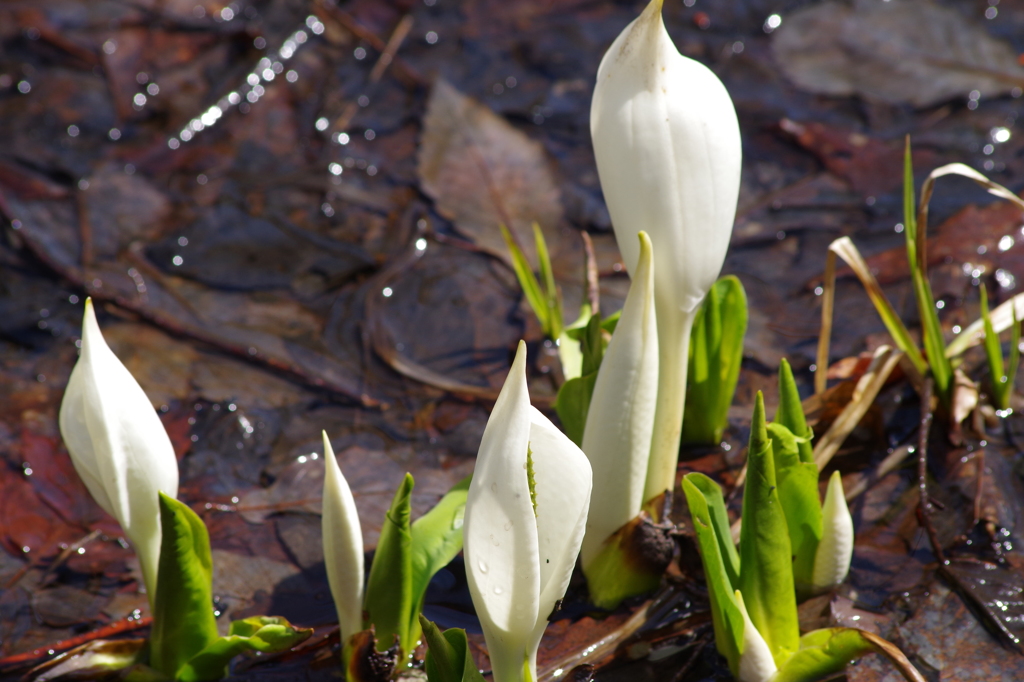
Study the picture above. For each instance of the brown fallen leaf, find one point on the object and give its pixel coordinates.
(482, 172)
(912, 51)
(871, 165)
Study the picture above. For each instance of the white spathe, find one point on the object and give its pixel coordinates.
(521, 540)
(835, 551)
(668, 152)
(617, 438)
(118, 445)
(343, 546)
(756, 661)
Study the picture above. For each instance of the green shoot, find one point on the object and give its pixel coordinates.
(542, 294)
(934, 343)
(1002, 374)
(716, 353)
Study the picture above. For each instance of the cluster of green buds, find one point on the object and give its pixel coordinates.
(789, 543)
(121, 451)
(384, 617)
(522, 517)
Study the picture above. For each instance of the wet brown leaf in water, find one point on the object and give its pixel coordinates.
(482, 172)
(913, 51)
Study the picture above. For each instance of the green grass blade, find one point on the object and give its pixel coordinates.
(934, 343)
(549, 289)
(1011, 371)
(994, 353)
(528, 281)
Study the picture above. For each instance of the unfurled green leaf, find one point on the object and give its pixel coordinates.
(701, 495)
(791, 412)
(266, 634)
(449, 658)
(798, 492)
(934, 343)
(715, 356)
(766, 568)
(824, 653)
(389, 587)
(183, 620)
(436, 540)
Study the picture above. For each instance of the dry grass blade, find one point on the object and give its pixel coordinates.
(845, 249)
(1002, 319)
(864, 395)
(895, 656)
(960, 169)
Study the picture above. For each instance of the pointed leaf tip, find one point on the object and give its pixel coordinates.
(758, 425)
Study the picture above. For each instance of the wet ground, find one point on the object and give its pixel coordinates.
(287, 213)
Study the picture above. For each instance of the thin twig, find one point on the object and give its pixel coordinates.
(593, 289)
(28, 658)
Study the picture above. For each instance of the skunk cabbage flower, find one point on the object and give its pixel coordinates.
(835, 551)
(667, 145)
(617, 438)
(118, 445)
(756, 663)
(525, 514)
(343, 546)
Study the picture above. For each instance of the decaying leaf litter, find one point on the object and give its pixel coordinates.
(272, 274)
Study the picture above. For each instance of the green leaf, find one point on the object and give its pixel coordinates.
(389, 588)
(183, 620)
(934, 343)
(528, 281)
(726, 617)
(791, 412)
(266, 634)
(436, 540)
(573, 400)
(824, 653)
(449, 658)
(798, 492)
(766, 568)
(720, 524)
(571, 355)
(609, 323)
(715, 356)
(572, 404)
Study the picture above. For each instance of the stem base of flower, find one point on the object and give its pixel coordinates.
(630, 563)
